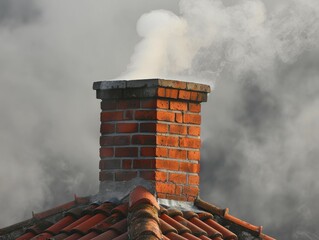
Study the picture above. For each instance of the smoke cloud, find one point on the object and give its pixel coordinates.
(260, 147)
(260, 137)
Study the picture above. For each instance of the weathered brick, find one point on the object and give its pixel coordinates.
(178, 105)
(177, 178)
(193, 179)
(176, 197)
(167, 164)
(154, 103)
(153, 127)
(106, 176)
(125, 176)
(191, 190)
(114, 140)
(194, 130)
(110, 164)
(171, 93)
(108, 104)
(165, 116)
(128, 103)
(126, 163)
(126, 152)
(128, 115)
(189, 142)
(161, 92)
(106, 152)
(178, 129)
(144, 163)
(192, 118)
(178, 189)
(177, 153)
(154, 175)
(194, 107)
(153, 152)
(144, 139)
(189, 167)
(145, 114)
(111, 116)
(178, 117)
(168, 188)
(126, 127)
(167, 141)
(107, 128)
(193, 155)
(183, 94)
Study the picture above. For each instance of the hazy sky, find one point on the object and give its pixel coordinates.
(260, 154)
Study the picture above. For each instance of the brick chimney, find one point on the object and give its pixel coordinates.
(150, 136)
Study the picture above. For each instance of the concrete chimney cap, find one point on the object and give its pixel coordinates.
(151, 83)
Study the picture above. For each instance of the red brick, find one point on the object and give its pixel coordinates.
(153, 127)
(178, 105)
(191, 198)
(125, 176)
(161, 195)
(193, 179)
(110, 164)
(144, 163)
(161, 92)
(126, 127)
(193, 155)
(126, 163)
(168, 188)
(161, 176)
(165, 116)
(145, 114)
(167, 141)
(182, 94)
(126, 151)
(179, 117)
(176, 197)
(178, 189)
(154, 103)
(189, 142)
(106, 152)
(167, 164)
(177, 153)
(109, 105)
(190, 190)
(178, 129)
(194, 96)
(128, 115)
(106, 176)
(153, 152)
(144, 139)
(154, 175)
(171, 93)
(189, 167)
(198, 96)
(192, 118)
(114, 140)
(111, 116)
(194, 131)
(107, 128)
(177, 178)
(128, 103)
(194, 107)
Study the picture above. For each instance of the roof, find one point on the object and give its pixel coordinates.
(138, 216)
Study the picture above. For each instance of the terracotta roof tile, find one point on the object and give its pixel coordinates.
(137, 217)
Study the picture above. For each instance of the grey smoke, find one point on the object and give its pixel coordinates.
(260, 153)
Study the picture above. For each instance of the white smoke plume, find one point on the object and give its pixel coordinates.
(260, 128)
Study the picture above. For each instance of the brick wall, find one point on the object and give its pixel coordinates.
(150, 129)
